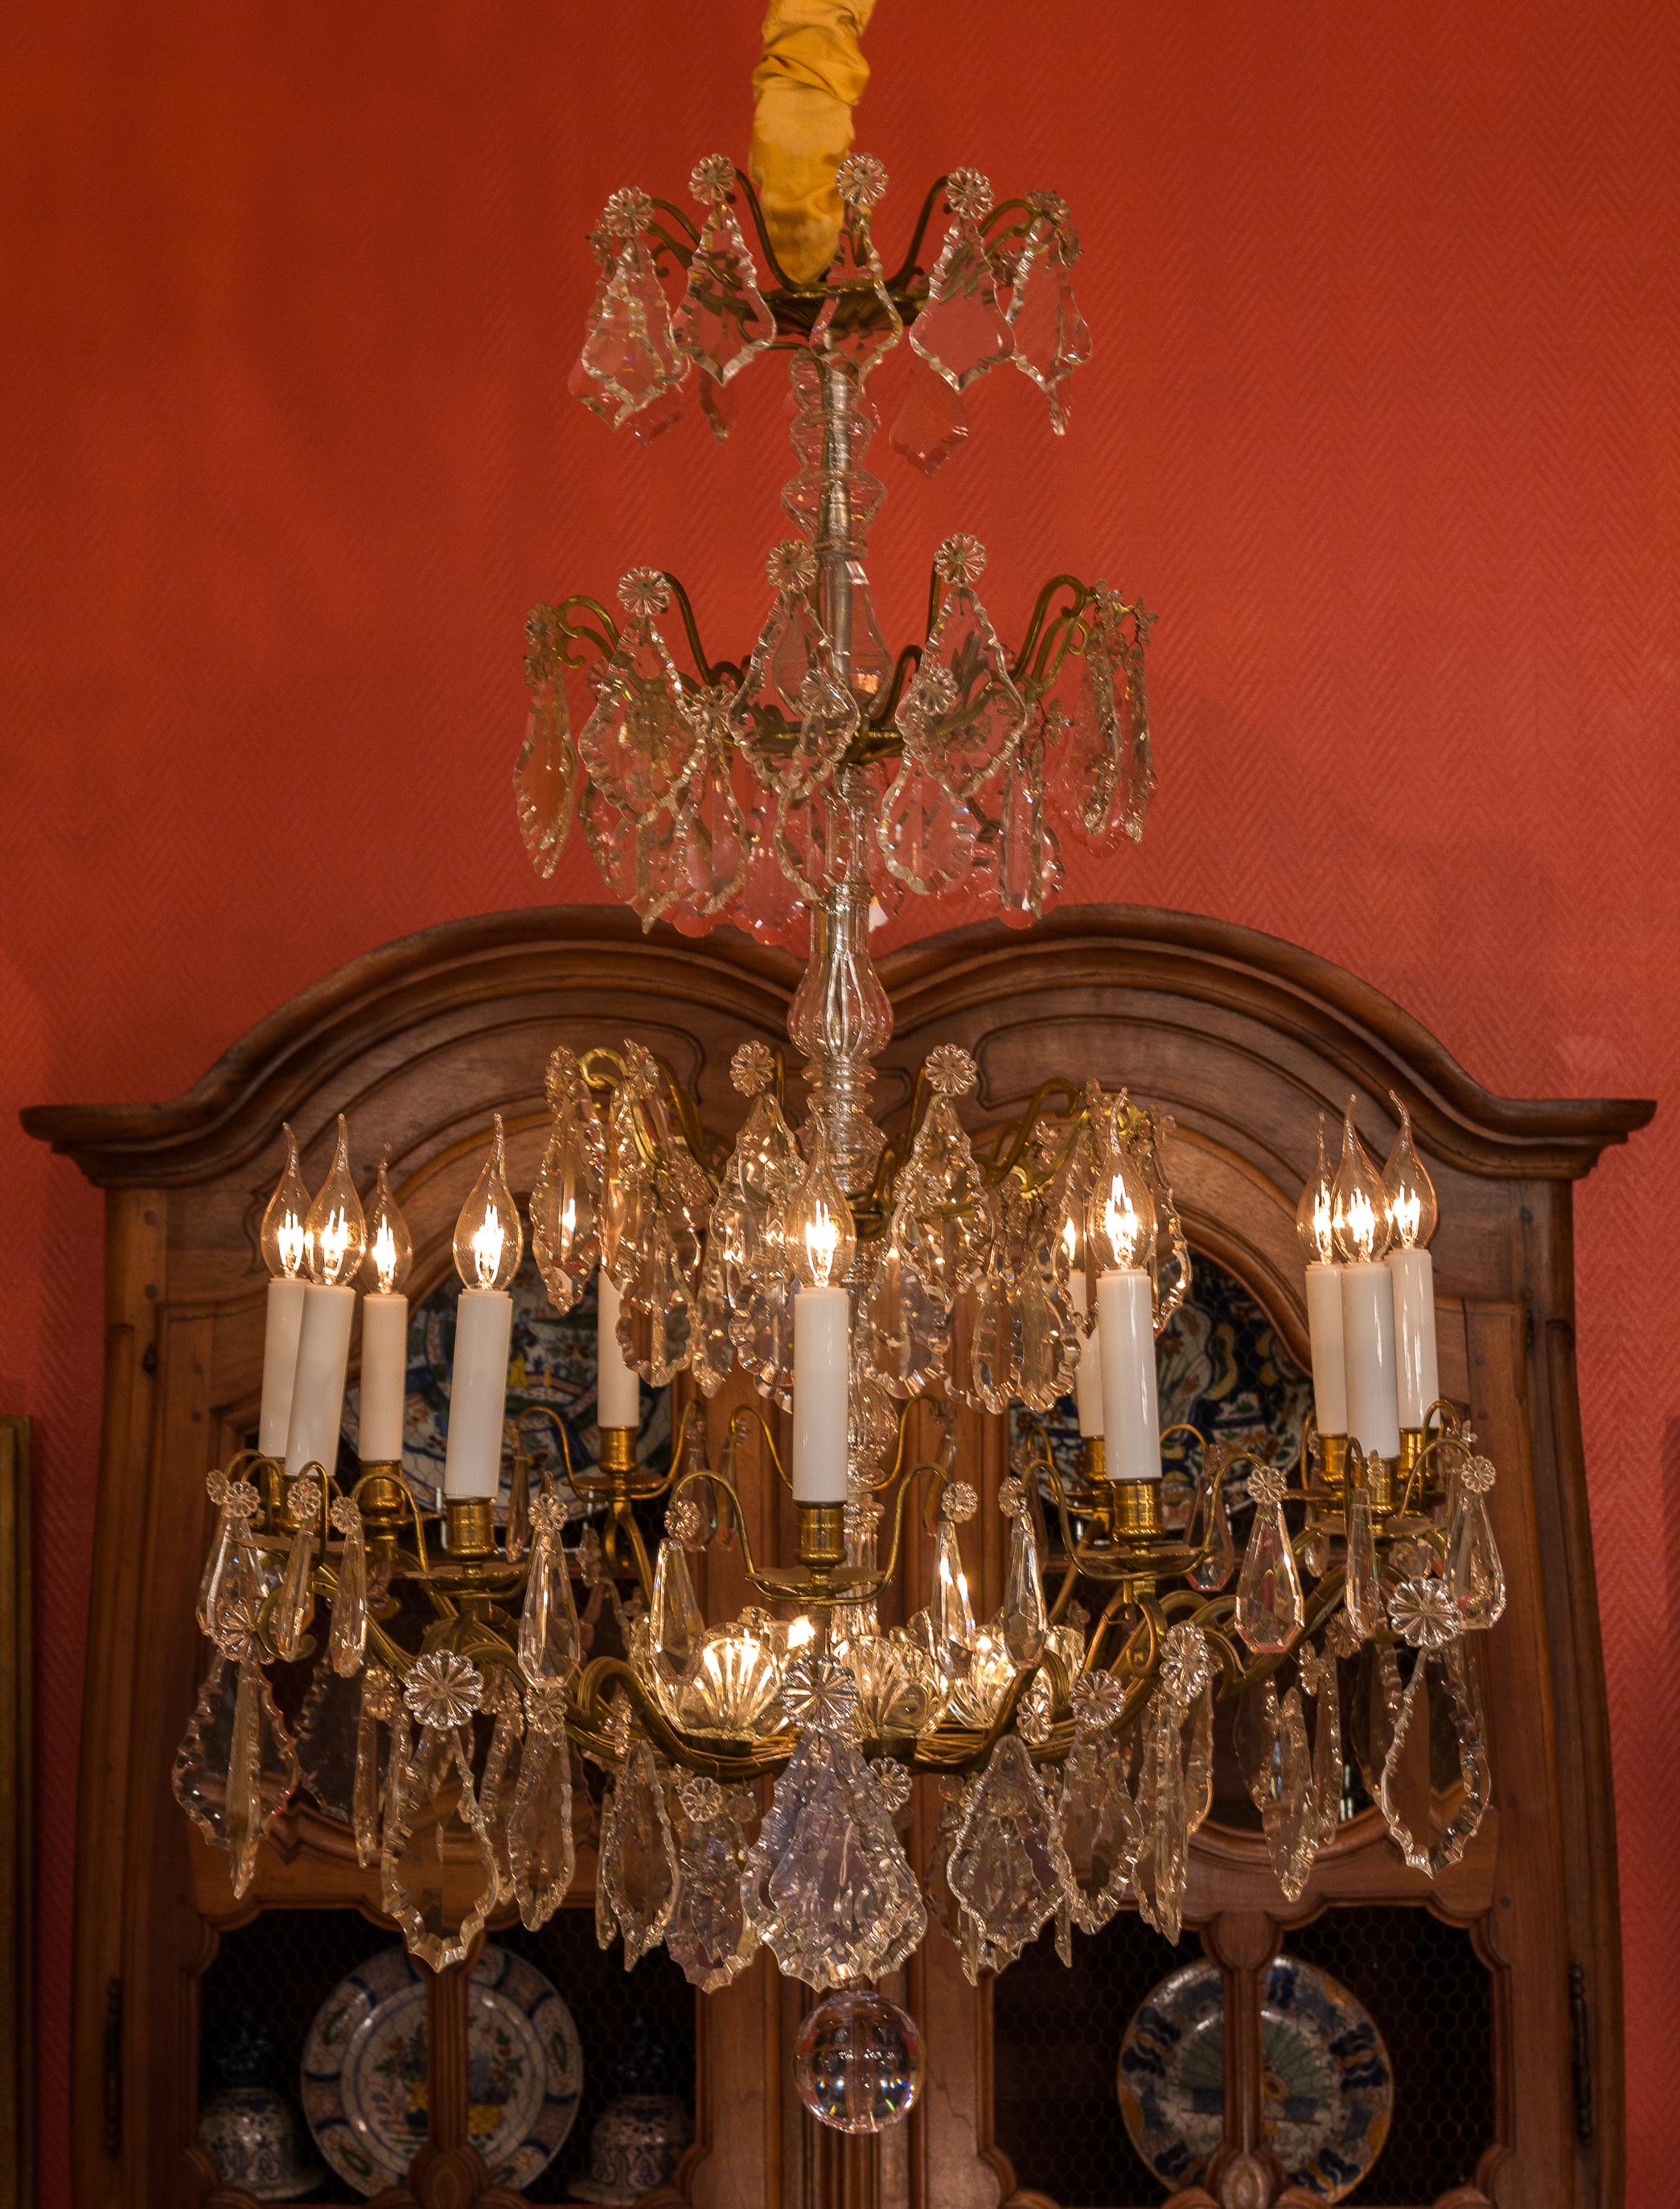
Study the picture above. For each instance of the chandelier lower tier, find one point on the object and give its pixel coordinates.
(754, 1771)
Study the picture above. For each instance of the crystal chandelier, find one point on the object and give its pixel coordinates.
(753, 1769)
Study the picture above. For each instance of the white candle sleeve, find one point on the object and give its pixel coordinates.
(318, 1392)
(1130, 1417)
(618, 1393)
(821, 1336)
(1368, 1333)
(1088, 1362)
(384, 1377)
(1419, 1379)
(280, 1364)
(1330, 1362)
(477, 1393)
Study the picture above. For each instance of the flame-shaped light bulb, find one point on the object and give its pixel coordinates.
(286, 1235)
(1408, 1192)
(390, 1246)
(489, 1241)
(1121, 1217)
(821, 1242)
(1358, 1203)
(337, 1227)
(1314, 1214)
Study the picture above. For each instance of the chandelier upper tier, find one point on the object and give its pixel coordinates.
(717, 789)
(754, 1770)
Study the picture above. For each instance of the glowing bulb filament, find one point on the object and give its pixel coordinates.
(1322, 1230)
(822, 1240)
(1406, 1213)
(489, 1240)
(385, 1256)
(292, 1239)
(1126, 1228)
(335, 1240)
(1071, 1240)
(1361, 1223)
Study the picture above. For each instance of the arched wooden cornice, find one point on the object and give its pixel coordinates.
(444, 974)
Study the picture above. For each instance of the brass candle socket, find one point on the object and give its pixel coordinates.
(1332, 1462)
(822, 1535)
(1137, 1509)
(469, 1525)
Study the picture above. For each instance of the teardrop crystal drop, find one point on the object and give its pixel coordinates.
(1215, 1567)
(677, 1624)
(540, 1848)
(1026, 1621)
(952, 1611)
(293, 1605)
(1362, 1593)
(1270, 1611)
(549, 1640)
(349, 1635)
(1475, 1576)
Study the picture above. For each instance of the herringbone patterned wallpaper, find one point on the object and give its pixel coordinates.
(1383, 419)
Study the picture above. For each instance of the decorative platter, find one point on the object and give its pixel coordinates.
(1329, 2083)
(364, 2082)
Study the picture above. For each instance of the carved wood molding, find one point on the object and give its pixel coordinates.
(229, 1114)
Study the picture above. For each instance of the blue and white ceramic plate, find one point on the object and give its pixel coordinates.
(1328, 2084)
(365, 2070)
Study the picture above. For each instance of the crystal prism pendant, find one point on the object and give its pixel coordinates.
(858, 321)
(723, 320)
(1362, 1595)
(929, 839)
(961, 331)
(202, 1778)
(540, 1846)
(348, 1634)
(229, 1594)
(793, 715)
(377, 1707)
(1270, 1610)
(1435, 1788)
(1051, 338)
(438, 1874)
(1025, 1620)
(1215, 1567)
(676, 1623)
(961, 715)
(1009, 1867)
(1475, 1576)
(640, 745)
(637, 1865)
(827, 1884)
(951, 1611)
(564, 1238)
(709, 1936)
(295, 1600)
(549, 1643)
(630, 352)
(502, 1761)
(1101, 1830)
(932, 421)
(326, 1736)
(544, 774)
(1289, 1813)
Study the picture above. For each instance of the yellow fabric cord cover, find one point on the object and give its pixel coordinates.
(811, 78)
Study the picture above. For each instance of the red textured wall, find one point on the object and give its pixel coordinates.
(1383, 418)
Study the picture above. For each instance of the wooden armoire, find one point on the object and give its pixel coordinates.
(1497, 1989)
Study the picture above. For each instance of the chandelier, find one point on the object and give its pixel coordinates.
(754, 1771)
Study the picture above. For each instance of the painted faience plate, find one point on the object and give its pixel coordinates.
(1330, 2086)
(365, 2070)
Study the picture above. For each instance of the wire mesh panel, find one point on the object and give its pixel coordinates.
(638, 2029)
(1429, 1994)
(259, 1998)
(1056, 2037)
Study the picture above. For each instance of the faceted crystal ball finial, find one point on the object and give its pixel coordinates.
(751, 1067)
(967, 192)
(950, 1070)
(861, 179)
(712, 181)
(859, 2061)
(960, 559)
(643, 591)
(626, 213)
